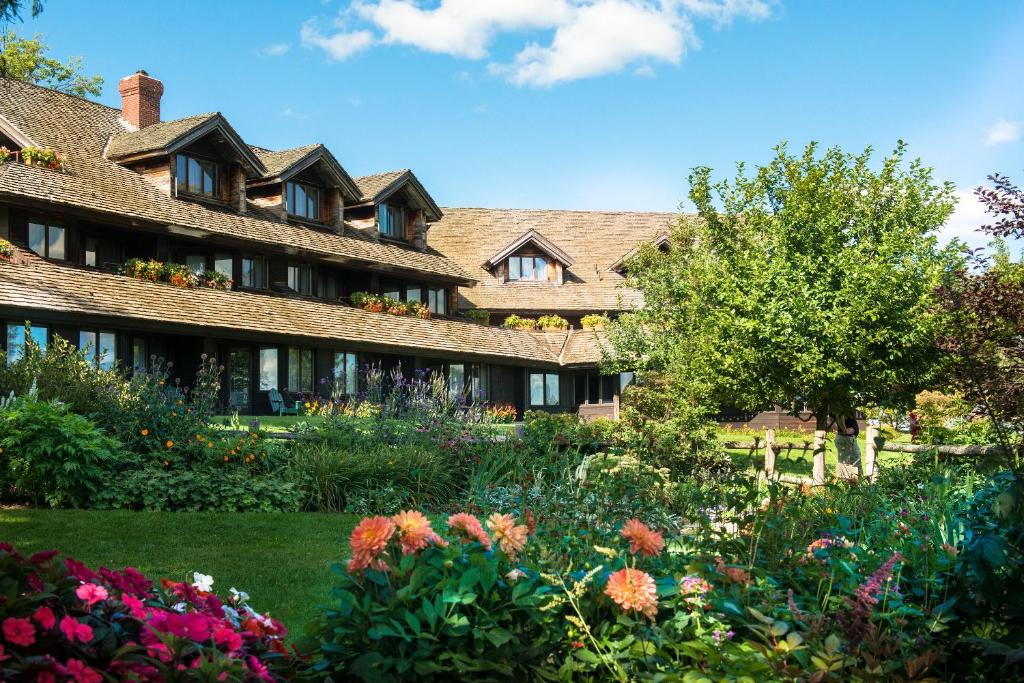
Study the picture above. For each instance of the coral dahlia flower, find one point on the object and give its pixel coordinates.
(634, 591)
(414, 531)
(368, 541)
(642, 539)
(469, 528)
(511, 538)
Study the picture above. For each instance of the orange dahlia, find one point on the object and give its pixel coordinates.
(634, 591)
(510, 538)
(414, 532)
(469, 528)
(368, 541)
(642, 538)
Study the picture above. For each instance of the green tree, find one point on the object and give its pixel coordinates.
(26, 59)
(810, 280)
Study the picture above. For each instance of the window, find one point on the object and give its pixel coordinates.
(254, 272)
(196, 176)
(140, 360)
(300, 370)
(46, 240)
(196, 263)
(528, 268)
(544, 389)
(346, 374)
(240, 377)
(268, 368)
(299, 278)
(326, 286)
(303, 201)
(91, 249)
(392, 292)
(437, 300)
(456, 378)
(225, 265)
(414, 293)
(38, 335)
(391, 221)
(593, 387)
(478, 382)
(98, 347)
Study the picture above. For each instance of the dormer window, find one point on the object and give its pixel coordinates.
(196, 176)
(47, 240)
(303, 201)
(531, 268)
(391, 221)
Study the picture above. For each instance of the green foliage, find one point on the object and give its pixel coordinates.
(479, 316)
(595, 321)
(514, 322)
(51, 454)
(949, 419)
(552, 323)
(543, 432)
(797, 281)
(27, 59)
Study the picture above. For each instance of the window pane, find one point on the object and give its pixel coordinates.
(456, 378)
(139, 360)
(306, 379)
(180, 175)
(87, 344)
(247, 274)
(540, 268)
(56, 242)
(536, 389)
(593, 387)
(351, 374)
(15, 342)
(195, 176)
(209, 178)
(527, 268)
(107, 353)
(314, 203)
(393, 293)
(239, 364)
(382, 218)
(607, 388)
(37, 238)
(300, 201)
(514, 272)
(293, 278)
(196, 263)
(90, 251)
(268, 369)
(224, 264)
(551, 390)
(413, 293)
(580, 388)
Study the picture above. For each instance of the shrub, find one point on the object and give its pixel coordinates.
(949, 419)
(6, 250)
(53, 455)
(514, 322)
(63, 621)
(479, 316)
(595, 321)
(550, 323)
(500, 413)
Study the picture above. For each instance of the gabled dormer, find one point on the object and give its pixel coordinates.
(662, 243)
(198, 158)
(531, 257)
(304, 185)
(12, 140)
(394, 207)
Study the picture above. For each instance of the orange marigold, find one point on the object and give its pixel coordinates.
(469, 528)
(414, 532)
(642, 538)
(634, 591)
(511, 538)
(368, 541)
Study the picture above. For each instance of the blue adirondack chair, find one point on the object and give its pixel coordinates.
(277, 404)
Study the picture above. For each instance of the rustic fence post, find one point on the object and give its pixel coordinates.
(818, 471)
(769, 453)
(871, 453)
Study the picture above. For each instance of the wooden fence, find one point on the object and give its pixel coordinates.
(874, 444)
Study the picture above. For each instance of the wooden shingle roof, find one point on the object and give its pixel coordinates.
(592, 240)
(31, 283)
(80, 130)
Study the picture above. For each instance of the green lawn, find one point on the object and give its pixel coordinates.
(799, 459)
(282, 560)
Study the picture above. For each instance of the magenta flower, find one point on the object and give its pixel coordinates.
(45, 617)
(19, 631)
(91, 593)
(73, 630)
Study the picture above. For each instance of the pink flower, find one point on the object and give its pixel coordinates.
(45, 617)
(81, 673)
(642, 539)
(469, 529)
(19, 631)
(227, 639)
(73, 630)
(258, 669)
(193, 626)
(91, 593)
(134, 605)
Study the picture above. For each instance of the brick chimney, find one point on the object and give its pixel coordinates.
(140, 99)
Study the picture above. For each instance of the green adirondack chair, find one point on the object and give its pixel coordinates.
(277, 404)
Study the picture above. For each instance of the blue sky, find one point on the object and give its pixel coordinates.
(592, 104)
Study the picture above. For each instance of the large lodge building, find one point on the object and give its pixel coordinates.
(296, 235)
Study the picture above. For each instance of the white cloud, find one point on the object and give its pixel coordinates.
(276, 50)
(965, 221)
(602, 38)
(290, 113)
(462, 28)
(1003, 131)
(577, 38)
(338, 46)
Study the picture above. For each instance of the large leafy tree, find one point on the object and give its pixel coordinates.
(27, 59)
(810, 279)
